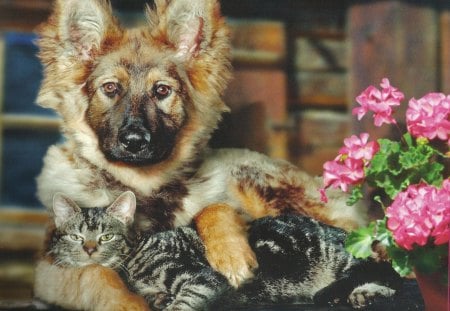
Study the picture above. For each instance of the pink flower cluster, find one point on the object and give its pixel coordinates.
(348, 167)
(426, 117)
(429, 116)
(420, 214)
(380, 102)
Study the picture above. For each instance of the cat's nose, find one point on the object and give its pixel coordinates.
(90, 247)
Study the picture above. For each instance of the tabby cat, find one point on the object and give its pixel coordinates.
(300, 260)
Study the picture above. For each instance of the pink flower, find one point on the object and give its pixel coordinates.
(429, 116)
(379, 102)
(348, 167)
(419, 213)
(441, 214)
(323, 195)
(341, 173)
(358, 148)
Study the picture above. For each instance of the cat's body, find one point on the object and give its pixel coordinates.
(171, 271)
(300, 260)
(303, 260)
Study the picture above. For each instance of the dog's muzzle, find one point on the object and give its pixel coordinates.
(136, 144)
(134, 139)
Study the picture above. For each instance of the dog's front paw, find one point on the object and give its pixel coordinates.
(225, 238)
(233, 258)
(364, 295)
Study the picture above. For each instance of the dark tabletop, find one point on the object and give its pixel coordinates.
(408, 298)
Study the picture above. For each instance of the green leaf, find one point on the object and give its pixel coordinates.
(399, 257)
(355, 196)
(384, 171)
(377, 198)
(426, 259)
(388, 154)
(416, 156)
(391, 184)
(400, 260)
(395, 167)
(408, 139)
(359, 242)
(382, 234)
(429, 259)
(432, 173)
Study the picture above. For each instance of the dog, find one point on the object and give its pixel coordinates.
(138, 107)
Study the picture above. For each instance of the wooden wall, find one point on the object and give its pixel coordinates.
(399, 40)
(294, 73)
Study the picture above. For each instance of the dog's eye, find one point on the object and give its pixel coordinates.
(111, 89)
(161, 91)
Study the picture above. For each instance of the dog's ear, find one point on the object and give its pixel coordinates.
(197, 34)
(189, 26)
(83, 25)
(76, 29)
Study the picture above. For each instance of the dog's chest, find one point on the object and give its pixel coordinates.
(156, 212)
(177, 204)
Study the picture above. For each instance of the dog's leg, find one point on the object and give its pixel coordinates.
(89, 288)
(224, 234)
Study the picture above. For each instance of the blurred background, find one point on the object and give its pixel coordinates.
(298, 66)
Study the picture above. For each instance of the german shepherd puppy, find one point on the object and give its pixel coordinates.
(138, 108)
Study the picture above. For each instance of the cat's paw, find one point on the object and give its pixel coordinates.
(234, 259)
(364, 295)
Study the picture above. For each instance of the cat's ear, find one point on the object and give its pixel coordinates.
(80, 27)
(63, 208)
(124, 207)
(186, 25)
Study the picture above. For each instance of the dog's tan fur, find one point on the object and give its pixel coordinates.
(98, 74)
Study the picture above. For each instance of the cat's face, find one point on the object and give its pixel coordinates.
(85, 236)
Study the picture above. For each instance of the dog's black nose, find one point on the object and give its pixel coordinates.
(134, 140)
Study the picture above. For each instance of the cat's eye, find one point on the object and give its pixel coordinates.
(111, 89)
(106, 237)
(162, 91)
(76, 237)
